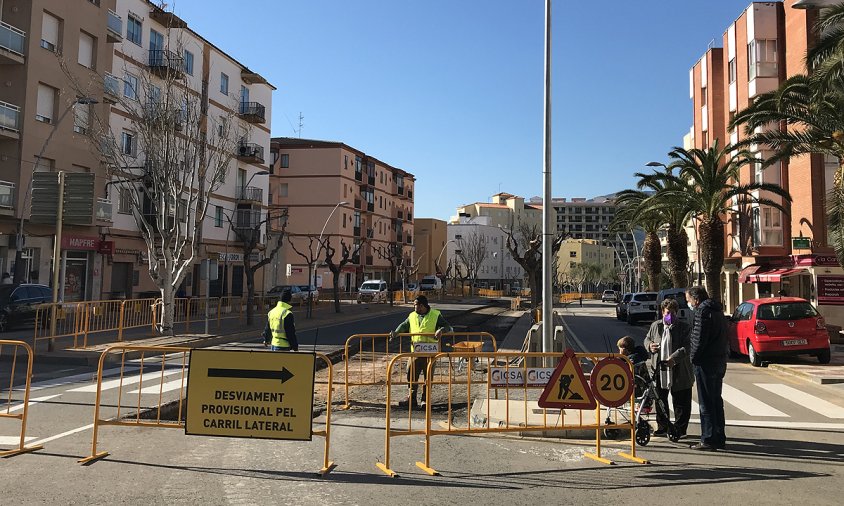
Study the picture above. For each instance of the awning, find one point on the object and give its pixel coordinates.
(747, 272)
(762, 274)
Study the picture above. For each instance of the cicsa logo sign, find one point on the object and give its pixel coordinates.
(536, 376)
(426, 347)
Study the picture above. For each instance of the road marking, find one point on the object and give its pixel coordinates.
(63, 434)
(781, 424)
(166, 387)
(808, 401)
(127, 380)
(13, 440)
(18, 407)
(57, 382)
(748, 404)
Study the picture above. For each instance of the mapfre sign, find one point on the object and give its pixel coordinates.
(79, 242)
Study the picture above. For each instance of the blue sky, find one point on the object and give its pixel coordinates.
(451, 90)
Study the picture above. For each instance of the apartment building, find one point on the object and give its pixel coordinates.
(575, 252)
(431, 239)
(333, 190)
(498, 270)
(43, 128)
(83, 57)
(504, 210)
(581, 218)
(766, 251)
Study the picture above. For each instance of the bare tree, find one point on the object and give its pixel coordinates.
(310, 257)
(247, 226)
(472, 251)
(348, 254)
(524, 242)
(168, 158)
(392, 253)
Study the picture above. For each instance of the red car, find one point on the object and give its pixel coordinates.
(782, 326)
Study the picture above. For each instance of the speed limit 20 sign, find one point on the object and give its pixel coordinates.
(612, 382)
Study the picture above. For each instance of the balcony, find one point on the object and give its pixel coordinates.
(111, 87)
(372, 180)
(10, 117)
(249, 194)
(252, 112)
(12, 43)
(249, 152)
(114, 27)
(247, 218)
(370, 206)
(7, 195)
(164, 62)
(357, 231)
(358, 176)
(103, 211)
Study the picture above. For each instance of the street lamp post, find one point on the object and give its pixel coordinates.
(548, 228)
(312, 273)
(20, 274)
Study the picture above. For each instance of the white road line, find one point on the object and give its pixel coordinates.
(127, 380)
(166, 387)
(808, 401)
(748, 404)
(63, 434)
(7, 441)
(18, 407)
(57, 382)
(780, 424)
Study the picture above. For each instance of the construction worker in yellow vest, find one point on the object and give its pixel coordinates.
(280, 332)
(422, 320)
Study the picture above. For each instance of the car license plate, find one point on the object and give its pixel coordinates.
(795, 342)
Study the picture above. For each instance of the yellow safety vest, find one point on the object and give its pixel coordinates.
(276, 318)
(427, 325)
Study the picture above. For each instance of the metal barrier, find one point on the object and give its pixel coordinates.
(487, 292)
(69, 321)
(372, 350)
(568, 297)
(527, 417)
(24, 407)
(163, 380)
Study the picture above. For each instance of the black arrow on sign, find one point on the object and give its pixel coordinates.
(282, 375)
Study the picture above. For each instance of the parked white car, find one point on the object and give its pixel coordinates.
(642, 306)
(374, 290)
(430, 283)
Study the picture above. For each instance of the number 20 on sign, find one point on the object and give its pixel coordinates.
(612, 382)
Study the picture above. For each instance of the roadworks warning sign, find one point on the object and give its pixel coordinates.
(567, 388)
(253, 394)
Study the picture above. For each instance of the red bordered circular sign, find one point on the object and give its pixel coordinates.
(612, 382)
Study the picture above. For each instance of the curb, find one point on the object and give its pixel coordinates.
(820, 380)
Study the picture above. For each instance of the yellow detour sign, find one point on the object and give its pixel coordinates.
(567, 389)
(612, 381)
(256, 394)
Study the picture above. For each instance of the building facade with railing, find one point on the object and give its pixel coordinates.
(371, 202)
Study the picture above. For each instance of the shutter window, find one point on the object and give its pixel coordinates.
(46, 104)
(82, 118)
(50, 32)
(86, 50)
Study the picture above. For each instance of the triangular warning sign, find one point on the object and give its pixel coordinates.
(567, 387)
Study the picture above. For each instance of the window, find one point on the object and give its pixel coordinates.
(87, 50)
(732, 70)
(130, 87)
(127, 143)
(188, 63)
(762, 58)
(46, 103)
(224, 84)
(182, 210)
(134, 28)
(156, 40)
(218, 217)
(50, 31)
(124, 201)
(81, 118)
(282, 190)
(285, 161)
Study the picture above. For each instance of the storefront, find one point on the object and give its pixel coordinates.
(81, 268)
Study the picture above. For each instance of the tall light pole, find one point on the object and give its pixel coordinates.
(437, 261)
(547, 209)
(20, 274)
(319, 247)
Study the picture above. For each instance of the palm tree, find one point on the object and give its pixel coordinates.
(675, 213)
(708, 179)
(633, 211)
(812, 108)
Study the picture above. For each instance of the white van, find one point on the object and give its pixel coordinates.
(430, 283)
(373, 290)
(685, 314)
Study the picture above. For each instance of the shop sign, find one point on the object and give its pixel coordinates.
(815, 260)
(831, 290)
(105, 247)
(237, 257)
(801, 242)
(79, 242)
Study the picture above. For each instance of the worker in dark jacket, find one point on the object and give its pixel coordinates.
(709, 358)
(280, 332)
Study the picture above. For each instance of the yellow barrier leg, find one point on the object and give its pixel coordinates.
(597, 455)
(633, 458)
(18, 451)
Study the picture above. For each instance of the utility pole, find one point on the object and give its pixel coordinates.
(301, 123)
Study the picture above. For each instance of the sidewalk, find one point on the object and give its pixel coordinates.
(804, 367)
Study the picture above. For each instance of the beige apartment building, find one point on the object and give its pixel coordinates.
(333, 190)
(575, 252)
(430, 243)
(47, 115)
(504, 210)
(765, 250)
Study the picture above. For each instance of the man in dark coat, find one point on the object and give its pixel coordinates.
(709, 358)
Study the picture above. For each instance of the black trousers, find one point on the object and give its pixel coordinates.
(710, 380)
(415, 368)
(682, 403)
